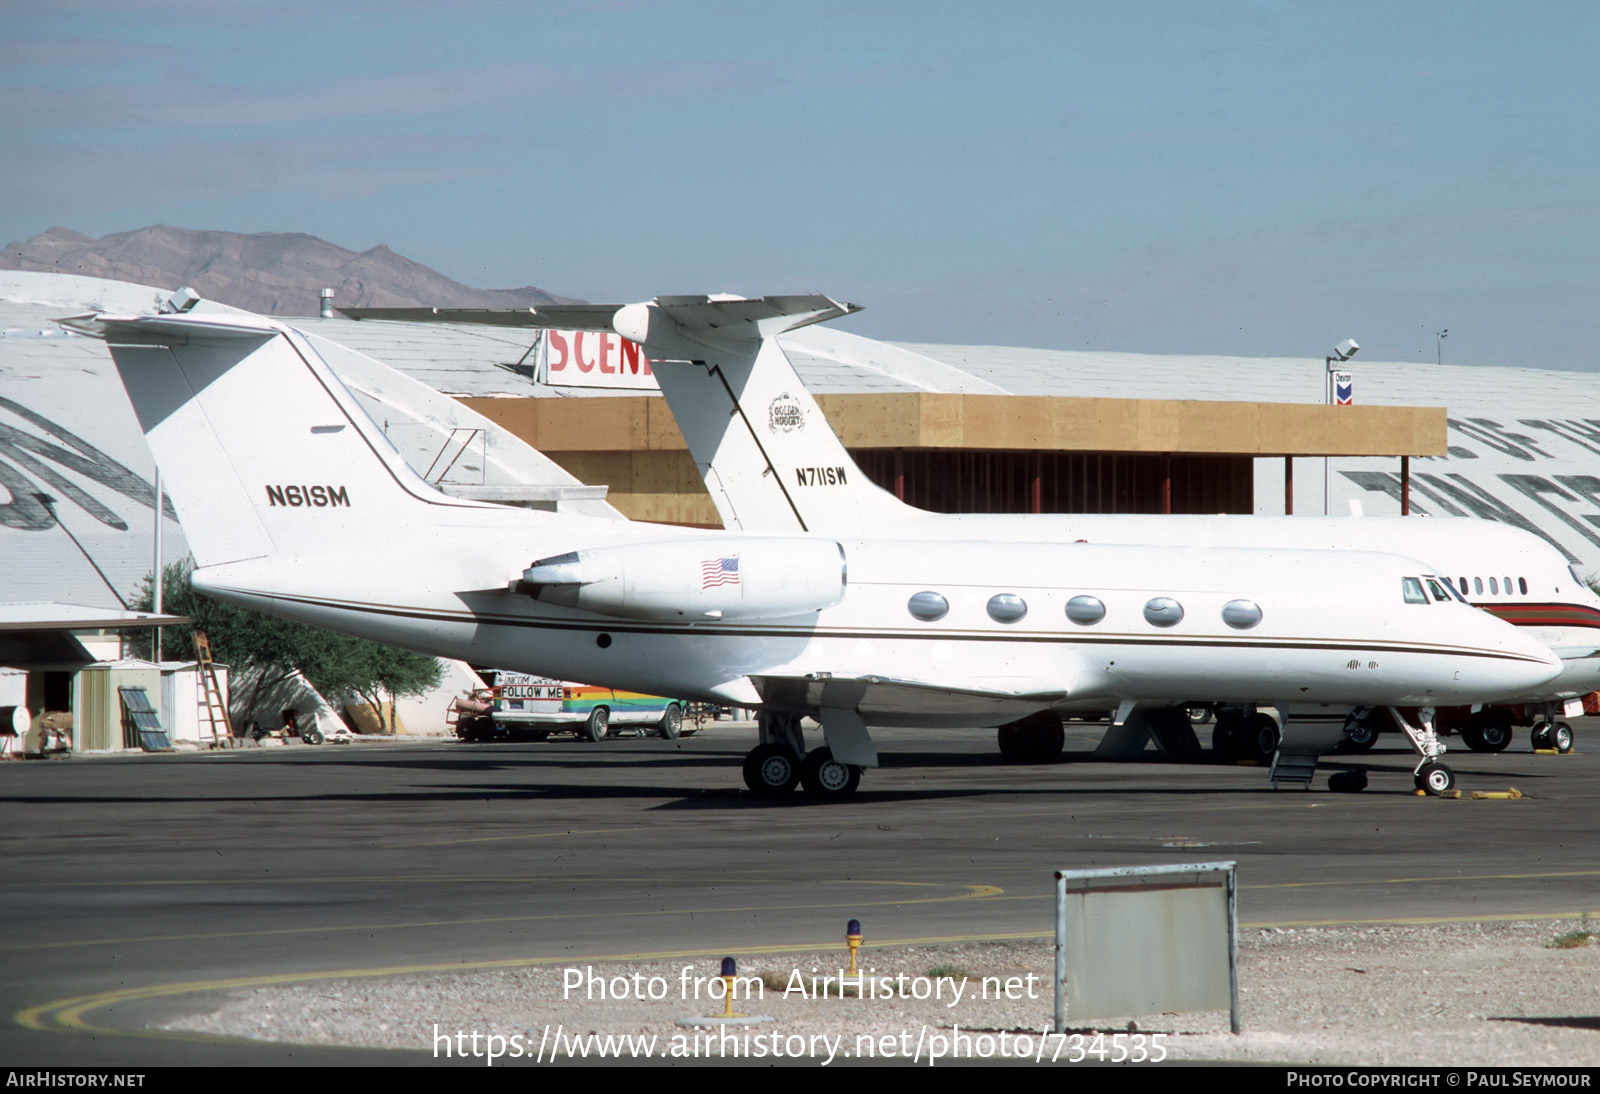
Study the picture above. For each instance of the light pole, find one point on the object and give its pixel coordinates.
(1438, 338)
(1341, 353)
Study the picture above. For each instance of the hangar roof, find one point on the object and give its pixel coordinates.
(493, 361)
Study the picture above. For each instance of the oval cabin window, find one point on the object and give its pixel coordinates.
(1085, 610)
(1162, 611)
(1007, 607)
(1241, 614)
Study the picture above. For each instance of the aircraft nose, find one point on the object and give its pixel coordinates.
(1535, 665)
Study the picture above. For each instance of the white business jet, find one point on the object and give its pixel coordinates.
(772, 464)
(294, 502)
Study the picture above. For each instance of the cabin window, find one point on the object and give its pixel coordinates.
(1412, 589)
(928, 606)
(1241, 614)
(1162, 611)
(1085, 610)
(1506, 585)
(1477, 586)
(1522, 585)
(1007, 607)
(1494, 587)
(1463, 582)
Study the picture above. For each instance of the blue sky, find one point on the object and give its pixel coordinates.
(1234, 178)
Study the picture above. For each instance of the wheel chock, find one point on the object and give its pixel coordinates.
(1497, 795)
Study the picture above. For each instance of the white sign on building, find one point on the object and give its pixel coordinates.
(587, 358)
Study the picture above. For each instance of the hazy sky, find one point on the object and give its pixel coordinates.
(1234, 178)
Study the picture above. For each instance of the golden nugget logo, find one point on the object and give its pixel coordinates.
(785, 415)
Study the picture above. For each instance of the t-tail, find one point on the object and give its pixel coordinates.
(768, 456)
(264, 452)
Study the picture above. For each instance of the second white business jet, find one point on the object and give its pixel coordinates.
(772, 464)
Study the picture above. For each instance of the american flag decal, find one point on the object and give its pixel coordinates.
(719, 571)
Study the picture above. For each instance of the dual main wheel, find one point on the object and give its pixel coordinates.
(1036, 739)
(771, 771)
(1488, 730)
(1553, 735)
(1241, 737)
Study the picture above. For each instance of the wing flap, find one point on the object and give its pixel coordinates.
(892, 701)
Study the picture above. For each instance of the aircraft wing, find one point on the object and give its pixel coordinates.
(1575, 653)
(872, 695)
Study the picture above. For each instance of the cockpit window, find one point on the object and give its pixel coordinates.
(1438, 592)
(1412, 588)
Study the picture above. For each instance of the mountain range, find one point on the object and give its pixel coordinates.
(270, 273)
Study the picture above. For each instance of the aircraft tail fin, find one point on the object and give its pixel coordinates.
(768, 455)
(262, 450)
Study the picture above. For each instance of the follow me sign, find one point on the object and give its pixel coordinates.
(587, 358)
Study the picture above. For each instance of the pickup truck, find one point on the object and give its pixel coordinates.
(523, 707)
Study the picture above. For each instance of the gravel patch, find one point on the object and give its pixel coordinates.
(1489, 994)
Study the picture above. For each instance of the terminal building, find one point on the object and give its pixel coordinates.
(947, 428)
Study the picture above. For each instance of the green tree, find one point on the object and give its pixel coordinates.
(335, 664)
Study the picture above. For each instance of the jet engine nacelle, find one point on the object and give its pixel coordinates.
(727, 577)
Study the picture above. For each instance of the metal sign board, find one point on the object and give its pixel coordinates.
(1146, 940)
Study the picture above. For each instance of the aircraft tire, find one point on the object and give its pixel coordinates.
(1036, 739)
(1359, 736)
(1351, 781)
(1560, 737)
(1435, 778)
(671, 723)
(1262, 737)
(825, 778)
(598, 726)
(1225, 736)
(1488, 731)
(1540, 738)
(1199, 714)
(771, 770)
(1497, 735)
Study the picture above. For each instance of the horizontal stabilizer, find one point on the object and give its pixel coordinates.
(164, 330)
(559, 316)
(722, 317)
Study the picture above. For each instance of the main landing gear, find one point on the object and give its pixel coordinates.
(1553, 735)
(774, 767)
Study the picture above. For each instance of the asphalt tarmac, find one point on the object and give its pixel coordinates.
(135, 885)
